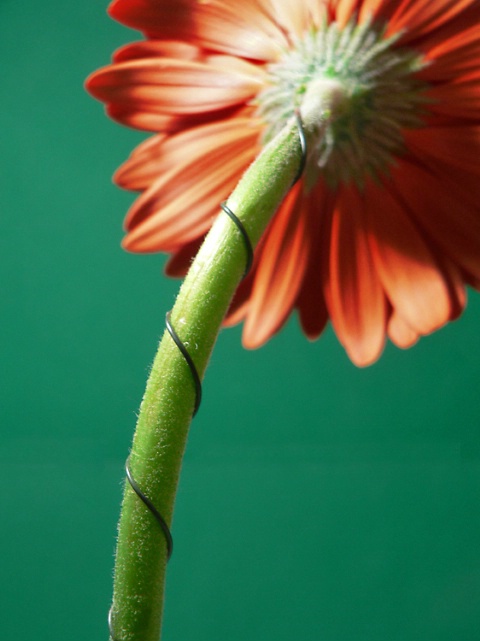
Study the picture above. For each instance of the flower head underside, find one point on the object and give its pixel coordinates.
(382, 96)
(382, 234)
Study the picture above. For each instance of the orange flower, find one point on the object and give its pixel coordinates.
(383, 232)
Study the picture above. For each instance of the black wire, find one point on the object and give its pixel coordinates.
(160, 520)
(243, 231)
(190, 363)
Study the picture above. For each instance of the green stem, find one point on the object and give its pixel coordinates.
(167, 406)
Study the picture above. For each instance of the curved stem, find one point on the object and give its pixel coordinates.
(167, 406)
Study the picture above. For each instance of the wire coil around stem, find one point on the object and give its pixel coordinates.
(196, 378)
(181, 346)
(159, 518)
(245, 236)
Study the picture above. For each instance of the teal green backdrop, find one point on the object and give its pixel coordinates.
(317, 501)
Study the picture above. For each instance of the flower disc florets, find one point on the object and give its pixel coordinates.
(382, 97)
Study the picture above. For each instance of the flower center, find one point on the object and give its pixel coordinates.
(383, 97)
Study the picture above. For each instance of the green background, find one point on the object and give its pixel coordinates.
(317, 501)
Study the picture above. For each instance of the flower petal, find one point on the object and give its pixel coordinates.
(393, 257)
(241, 302)
(159, 154)
(311, 303)
(443, 212)
(281, 267)
(456, 26)
(355, 297)
(400, 332)
(376, 9)
(407, 268)
(458, 100)
(180, 261)
(180, 206)
(292, 16)
(217, 25)
(158, 49)
(423, 16)
(459, 147)
(454, 56)
(344, 10)
(144, 164)
(168, 86)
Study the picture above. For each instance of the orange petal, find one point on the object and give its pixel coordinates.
(455, 281)
(408, 271)
(158, 49)
(202, 148)
(241, 301)
(281, 267)
(143, 166)
(454, 56)
(311, 303)
(377, 9)
(130, 116)
(355, 297)
(460, 23)
(215, 25)
(159, 154)
(180, 261)
(442, 211)
(423, 16)
(181, 204)
(344, 10)
(173, 87)
(457, 146)
(400, 332)
(293, 16)
(458, 100)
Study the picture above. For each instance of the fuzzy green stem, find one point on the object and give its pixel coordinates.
(167, 406)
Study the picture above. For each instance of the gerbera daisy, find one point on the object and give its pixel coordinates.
(382, 233)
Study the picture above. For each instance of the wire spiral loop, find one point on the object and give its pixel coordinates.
(196, 378)
(181, 346)
(159, 518)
